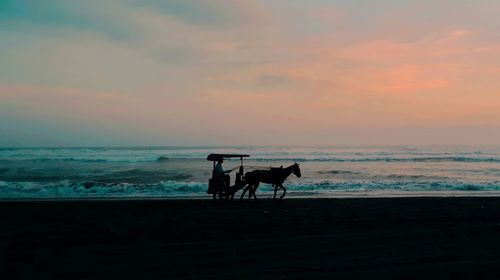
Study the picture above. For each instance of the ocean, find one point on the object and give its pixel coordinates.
(143, 172)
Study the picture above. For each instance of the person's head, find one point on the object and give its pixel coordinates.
(220, 160)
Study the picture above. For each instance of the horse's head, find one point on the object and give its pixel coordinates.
(296, 170)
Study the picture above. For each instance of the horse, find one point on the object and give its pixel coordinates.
(274, 176)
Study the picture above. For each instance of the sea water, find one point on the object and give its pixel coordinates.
(184, 171)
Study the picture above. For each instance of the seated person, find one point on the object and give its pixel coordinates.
(220, 173)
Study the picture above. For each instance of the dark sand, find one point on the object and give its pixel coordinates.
(399, 238)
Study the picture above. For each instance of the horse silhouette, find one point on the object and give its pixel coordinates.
(274, 176)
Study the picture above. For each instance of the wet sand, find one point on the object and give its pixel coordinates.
(398, 238)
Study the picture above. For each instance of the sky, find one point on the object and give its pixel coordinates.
(233, 72)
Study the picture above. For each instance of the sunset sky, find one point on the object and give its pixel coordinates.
(338, 72)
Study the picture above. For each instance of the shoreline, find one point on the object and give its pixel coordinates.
(268, 196)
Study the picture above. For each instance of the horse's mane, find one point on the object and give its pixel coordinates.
(277, 170)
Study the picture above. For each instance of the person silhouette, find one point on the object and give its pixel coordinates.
(221, 173)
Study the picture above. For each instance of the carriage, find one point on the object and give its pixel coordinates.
(217, 186)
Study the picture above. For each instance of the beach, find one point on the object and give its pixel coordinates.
(390, 238)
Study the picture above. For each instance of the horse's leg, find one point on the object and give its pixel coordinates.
(275, 191)
(244, 191)
(284, 191)
(255, 190)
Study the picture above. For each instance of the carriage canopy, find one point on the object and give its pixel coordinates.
(216, 157)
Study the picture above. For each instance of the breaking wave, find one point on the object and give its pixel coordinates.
(303, 154)
(390, 159)
(133, 176)
(67, 189)
(262, 159)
